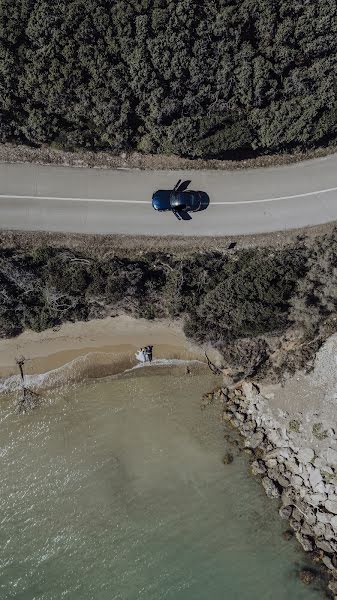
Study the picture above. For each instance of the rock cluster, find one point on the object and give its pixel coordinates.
(303, 480)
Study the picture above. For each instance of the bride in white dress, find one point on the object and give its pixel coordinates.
(140, 356)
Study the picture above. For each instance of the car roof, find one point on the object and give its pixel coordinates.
(179, 198)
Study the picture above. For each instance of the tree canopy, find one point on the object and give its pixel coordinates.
(218, 78)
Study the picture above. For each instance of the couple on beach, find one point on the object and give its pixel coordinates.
(145, 354)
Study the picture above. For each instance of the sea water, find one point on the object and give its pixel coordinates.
(116, 490)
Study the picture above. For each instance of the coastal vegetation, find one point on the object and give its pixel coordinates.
(239, 301)
(212, 79)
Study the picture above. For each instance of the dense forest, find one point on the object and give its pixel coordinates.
(238, 301)
(218, 78)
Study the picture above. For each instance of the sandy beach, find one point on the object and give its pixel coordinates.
(95, 348)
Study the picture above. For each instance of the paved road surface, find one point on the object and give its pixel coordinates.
(34, 197)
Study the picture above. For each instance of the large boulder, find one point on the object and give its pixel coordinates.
(331, 456)
(315, 477)
(305, 455)
(333, 523)
(295, 525)
(315, 499)
(320, 488)
(310, 516)
(330, 533)
(319, 530)
(254, 440)
(297, 515)
(271, 489)
(326, 560)
(288, 497)
(282, 480)
(294, 468)
(325, 546)
(304, 541)
(258, 468)
(331, 506)
(285, 512)
(323, 517)
(296, 481)
(306, 529)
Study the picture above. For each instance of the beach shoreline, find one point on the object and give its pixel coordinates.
(85, 350)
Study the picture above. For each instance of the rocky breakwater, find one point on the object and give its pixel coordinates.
(303, 478)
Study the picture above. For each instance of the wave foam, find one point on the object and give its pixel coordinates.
(91, 365)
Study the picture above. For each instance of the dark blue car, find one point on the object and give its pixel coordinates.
(178, 201)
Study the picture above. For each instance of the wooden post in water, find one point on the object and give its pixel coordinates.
(20, 361)
(29, 398)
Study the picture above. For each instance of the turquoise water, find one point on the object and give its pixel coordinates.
(117, 491)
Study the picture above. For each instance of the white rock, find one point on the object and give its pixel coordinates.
(315, 499)
(276, 437)
(293, 467)
(295, 525)
(303, 491)
(333, 523)
(305, 478)
(283, 481)
(327, 469)
(331, 456)
(296, 481)
(305, 455)
(306, 529)
(320, 488)
(323, 517)
(328, 563)
(332, 497)
(325, 546)
(310, 516)
(258, 467)
(320, 463)
(285, 512)
(255, 440)
(272, 454)
(329, 532)
(288, 497)
(315, 478)
(304, 541)
(331, 506)
(296, 514)
(319, 529)
(284, 452)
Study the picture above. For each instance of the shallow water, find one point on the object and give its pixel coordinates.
(116, 491)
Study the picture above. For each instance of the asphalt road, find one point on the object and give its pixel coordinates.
(34, 197)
